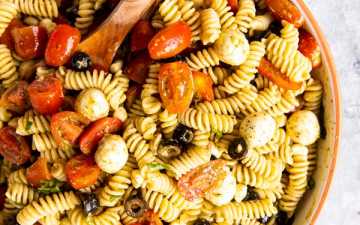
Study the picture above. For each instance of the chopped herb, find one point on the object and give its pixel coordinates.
(51, 186)
(157, 166)
(28, 125)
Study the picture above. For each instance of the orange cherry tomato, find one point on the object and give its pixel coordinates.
(234, 5)
(15, 98)
(141, 35)
(13, 147)
(6, 37)
(38, 172)
(30, 41)
(267, 69)
(309, 47)
(93, 134)
(176, 86)
(132, 93)
(66, 127)
(46, 95)
(81, 171)
(202, 179)
(286, 10)
(62, 44)
(138, 68)
(170, 41)
(203, 86)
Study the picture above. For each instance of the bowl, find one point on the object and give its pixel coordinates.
(312, 203)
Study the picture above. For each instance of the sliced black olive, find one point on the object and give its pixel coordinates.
(251, 195)
(237, 148)
(275, 27)
(183, 135)
(201, 222)
(264, 220)
(80, 61)
(90, 203)
(135, 207)
(169, 151)
(71, 13)
(174, 59)
(281, 218)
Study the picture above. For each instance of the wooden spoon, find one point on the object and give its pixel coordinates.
(102, 44)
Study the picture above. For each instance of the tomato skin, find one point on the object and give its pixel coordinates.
(141, 35)
(6, 37)
(132, 93)
(203, 86)
(46, 95)
(286, 10)
(267, 69)
(81, 171)
(176, 86)
(234, 5)
(309, 47)
(170, 41)
(62, 44)
(13, 147)
(15, 98)
(66, 127)
(138, 68)
(96, 131)
(202, 179)
(38, 172)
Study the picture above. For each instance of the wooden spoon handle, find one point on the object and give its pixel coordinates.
(102, 44)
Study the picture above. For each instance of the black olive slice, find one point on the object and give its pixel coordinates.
(135, 207)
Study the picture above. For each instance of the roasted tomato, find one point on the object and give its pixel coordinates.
(309, 48)
(149, 218)
(30, 42)
(132, 93)
(285, 10)
(62, 45)
(38, 172)
(234, 5)
(93, 134)
(202, 179)
(46, 95)
(138, 68)
(267, 69)
(176, 86)
(141, 35)
(203, 86)
(170, 41)
(15, 98)
(66, 127)
(82, 171)
(6, 37)
(13, 147)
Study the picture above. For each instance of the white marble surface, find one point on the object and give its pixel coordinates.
(340, 21)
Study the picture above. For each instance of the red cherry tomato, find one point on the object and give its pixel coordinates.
(141, 35)
(81, 171)
(132, 93)
(285, 10)
(203, 86)
(176, 86)
(15, 98)
(267, 69)
(30, 42)
(234, 5)
(66, 127)
(138, 68)
(38, 172)
(6, 37)
(309, 47)
(93, 134)
(170, 41)
(46, 95)
(202, 179)
(13, 147)
(62, 45)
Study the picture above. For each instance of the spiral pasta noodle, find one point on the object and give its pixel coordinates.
(5, 170)
(201, 138)
(168, 122)
(249, 222)
(156, 21)
(55, 154)
(169, 11)
(245, 15)
(38, 8)
(290, 33)
(18, 176)
(44, 141)
(210, 26)
(217, 74)
(249, 177)
(203, 58)
(8, 11)
(192, 18)
(109, 216)
(85, 15)
(227, 18)
(273, 194)
(8, 73)
(146, 126)
(260, 23)
(264, 100)
(50, 220)
(150, 103)
(21, 194)
(32, 123)
(313, 96)
(57, 170)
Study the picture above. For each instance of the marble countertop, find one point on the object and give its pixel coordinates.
(340, 21)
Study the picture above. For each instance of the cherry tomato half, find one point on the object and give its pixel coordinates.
(176, 86)
(141, 35)
(66, 127)
(62, 44)
(81, 171)
(203, 86)
(15, 98)
(30, 41)
(309, 47)
(286, 10)
(6, 37)
(46, 95)
(13, 147)
(38, 172)
(170, 41)
(138, 68)
(234, 5)
(202, 179)
(93, 134)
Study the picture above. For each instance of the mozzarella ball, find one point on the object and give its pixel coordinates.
(92, 104)
(112, 153)
(303, 127)
(232, 47)
(257, 129)
(223, 192)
